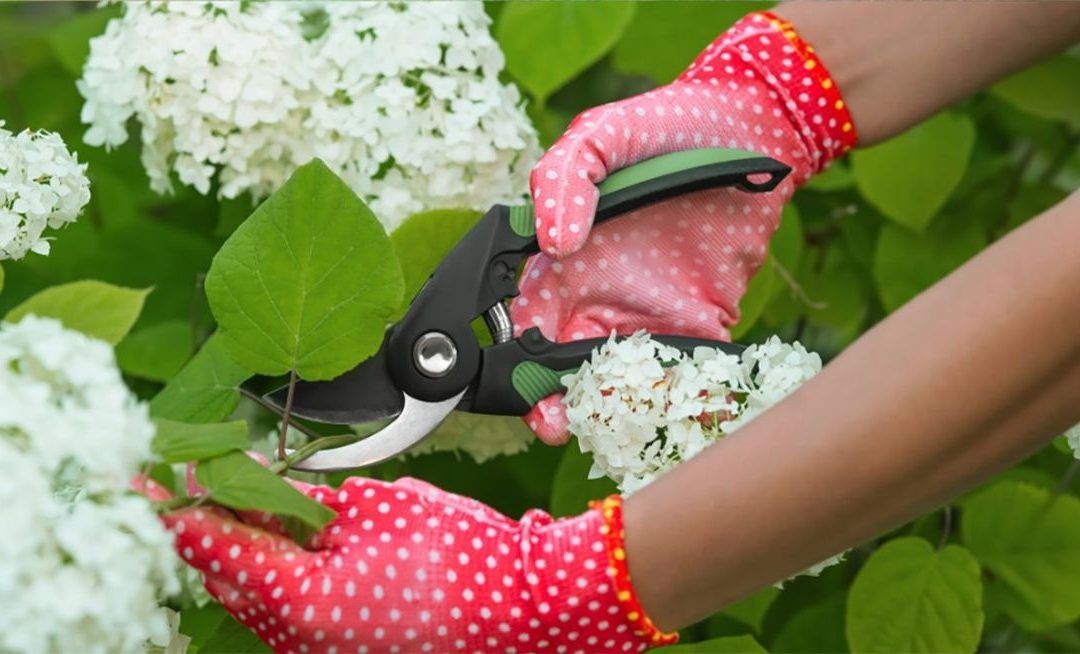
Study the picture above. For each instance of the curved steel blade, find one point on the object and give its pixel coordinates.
(363, 394)
(417, 420)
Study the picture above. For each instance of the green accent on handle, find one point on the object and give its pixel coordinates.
(522, 221)
(668, 164)
(534, 381)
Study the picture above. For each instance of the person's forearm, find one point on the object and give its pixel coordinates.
(950, 388)
(899, 63)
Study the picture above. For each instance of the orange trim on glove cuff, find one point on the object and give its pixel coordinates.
(642, 625)
(815, 67)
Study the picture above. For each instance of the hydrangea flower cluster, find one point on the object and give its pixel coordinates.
(42, 185)
(87, 558)
(641, 407)
(402, 100)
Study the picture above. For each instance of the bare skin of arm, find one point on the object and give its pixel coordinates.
(962, 382)
(970, 377)
(897, 63)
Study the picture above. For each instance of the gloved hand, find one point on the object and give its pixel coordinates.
(681, 266)
(407, 567)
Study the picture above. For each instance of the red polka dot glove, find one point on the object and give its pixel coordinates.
(407, 567)
(681, 266)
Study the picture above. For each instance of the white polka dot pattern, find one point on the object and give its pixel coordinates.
(407, 567)
(681, 266)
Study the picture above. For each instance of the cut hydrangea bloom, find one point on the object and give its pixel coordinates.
(641, 407)
(90, 557)
(42, 185)
(402, 100)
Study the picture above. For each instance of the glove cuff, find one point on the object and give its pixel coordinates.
(619, 572)
(763, 45)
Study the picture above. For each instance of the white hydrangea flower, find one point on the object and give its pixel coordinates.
(641, 407)
(403, 100)
(85, 558)
(42, 185)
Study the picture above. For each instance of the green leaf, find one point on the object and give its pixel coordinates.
(1029, 538)
(202, 623)
(179, 442)
(781, 264)
(664, 37)
(571, 490)
(751, 611)
(906, 263)
(94, 308)
(836, 177)
(909, 177)
(833, 291)
(205, 390)
(909, 598)
(231, 637)
(308, 282)
(1048, 90)
(70, 41)
(758, 293)
(728, 645)
(156, 353)
(816, 627)
(239, 482)
(548, 43)
(423, 239)
(1, 278)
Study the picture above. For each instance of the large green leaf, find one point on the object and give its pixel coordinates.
(909, 177)
(909, 598)
(664, 37)
(231, 637)
(728, 645)
(751, 610)
(239, 482)
(906, 263)
(157, 352)
(1029, 538)
(572, 489)
(94, 308)
(205, 390)
(1049, 90)
(548, 43)
(308, 282)
(816, 627)
(179, 442)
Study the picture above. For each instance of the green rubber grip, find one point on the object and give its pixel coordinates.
(534, 381)
(667, 176)
(671, 164)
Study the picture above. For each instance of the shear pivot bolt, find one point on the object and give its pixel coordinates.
(435, 354)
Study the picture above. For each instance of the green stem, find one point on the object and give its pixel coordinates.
(310, 448)
(282, 455)
(946, 525)
(1067, 478)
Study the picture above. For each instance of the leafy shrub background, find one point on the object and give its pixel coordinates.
(996, 570)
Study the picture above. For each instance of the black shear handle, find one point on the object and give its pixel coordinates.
(481, 270)
(515, 375)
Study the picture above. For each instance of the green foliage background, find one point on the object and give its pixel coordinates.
(997, 570)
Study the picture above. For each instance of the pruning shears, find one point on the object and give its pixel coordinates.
(431, 362)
